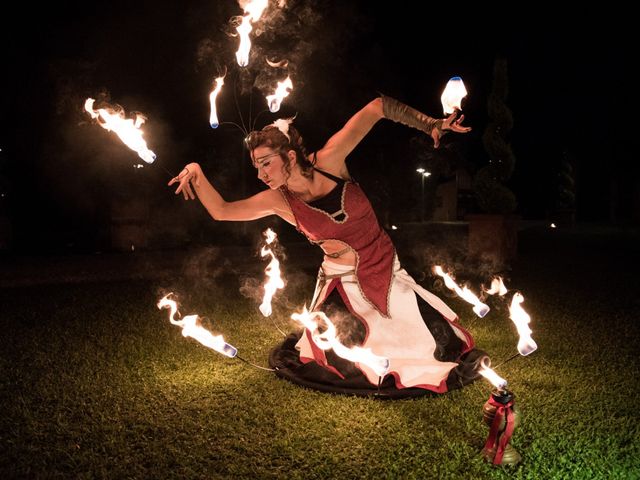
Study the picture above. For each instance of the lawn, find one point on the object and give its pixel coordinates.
(95, 381)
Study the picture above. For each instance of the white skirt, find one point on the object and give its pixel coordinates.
(403, 337)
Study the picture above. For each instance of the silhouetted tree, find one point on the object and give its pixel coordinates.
(491, 193)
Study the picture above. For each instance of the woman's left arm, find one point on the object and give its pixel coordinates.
(332, 156)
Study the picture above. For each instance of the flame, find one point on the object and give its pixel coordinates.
(526, 345)
(191, 328)
(253, 11)
(327, 340)
(479, 308)
(488, 373)
(281, 64)
(254, 8)
(272, 271)
(213, 118)
(282, 90)
(242, 55)
(270, 236)
(497, 286)
(128, 130)
(452, 95)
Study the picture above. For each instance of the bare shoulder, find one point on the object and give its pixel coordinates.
(331, 162)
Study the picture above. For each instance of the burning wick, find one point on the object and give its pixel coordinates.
(282, 91)
(526, 344)
(253, 11)
(479, 308)
(487, 372)
(328, 340)
(191, 327)
(127, 130)
(213, 117)
(452, 95)
(497, 286)
(272, 271)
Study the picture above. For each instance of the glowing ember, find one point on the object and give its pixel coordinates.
(213, 118)
(253, 11)
(488, 373)
(282, 91)
(526, 345)
(452, 95)
(128, 130)
(479, 308)
(191, 327)
(327, 340)
(272, 271)
(497, 286)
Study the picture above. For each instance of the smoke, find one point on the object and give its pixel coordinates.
(349, 330)
(449, 249)
(205, 264)
(302, 39)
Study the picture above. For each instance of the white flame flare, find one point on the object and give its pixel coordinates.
(488, 373)
(282, 90)
(191, 328)
(452, 95)
(497, 286)
(479, 308)
(213, 117)
(253, 11)
(128, 130)
(526, 344)
(275, 281)
(328, 340)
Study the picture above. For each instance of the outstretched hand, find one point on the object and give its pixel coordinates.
(451, 123)
(188, 175)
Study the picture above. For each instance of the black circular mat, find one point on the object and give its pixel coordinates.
(285, 359)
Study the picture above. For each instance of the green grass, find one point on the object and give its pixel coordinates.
(95, 382)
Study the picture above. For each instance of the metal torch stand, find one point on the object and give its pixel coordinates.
(510, 455)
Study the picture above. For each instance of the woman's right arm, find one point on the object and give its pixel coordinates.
(263, 204)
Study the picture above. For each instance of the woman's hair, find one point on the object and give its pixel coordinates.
(271, 136)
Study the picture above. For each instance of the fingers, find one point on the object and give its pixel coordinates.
(189, 192)
(436, 138)
(184, 187)
(458, 127)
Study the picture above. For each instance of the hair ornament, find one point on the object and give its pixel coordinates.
(282, 124)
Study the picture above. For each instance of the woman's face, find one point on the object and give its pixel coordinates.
(270, 166)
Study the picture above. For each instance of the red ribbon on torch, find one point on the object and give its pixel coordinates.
(495, 439)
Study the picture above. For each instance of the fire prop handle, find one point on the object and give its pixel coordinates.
(508, 360)
(254, 365)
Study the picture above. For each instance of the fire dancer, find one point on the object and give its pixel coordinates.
(360, 280)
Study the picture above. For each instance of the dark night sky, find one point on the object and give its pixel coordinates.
(569, 90)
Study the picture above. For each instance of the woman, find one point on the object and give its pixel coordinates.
(360, 285)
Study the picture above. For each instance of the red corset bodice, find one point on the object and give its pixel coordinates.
(358, 228)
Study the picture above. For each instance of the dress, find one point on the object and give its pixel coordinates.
(377, 305)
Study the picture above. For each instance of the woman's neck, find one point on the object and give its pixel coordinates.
(299, 184)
